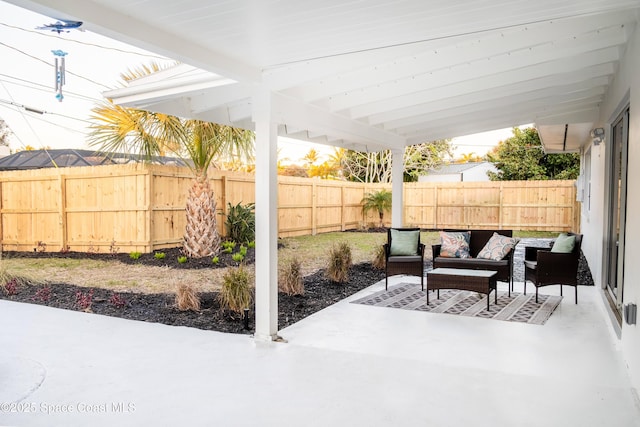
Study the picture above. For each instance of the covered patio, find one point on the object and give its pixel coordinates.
(368, 76)
(349, 364)
(383, 75)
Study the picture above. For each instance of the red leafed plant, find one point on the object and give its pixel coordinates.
(43, 294)
(84, 300)
(11, 287)
(117, 300)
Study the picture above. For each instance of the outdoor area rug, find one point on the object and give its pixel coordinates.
(516, 308)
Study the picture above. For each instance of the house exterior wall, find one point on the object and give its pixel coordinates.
(476, 173)
(624, 90)
(443, 177)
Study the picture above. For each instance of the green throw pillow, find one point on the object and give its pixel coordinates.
(564, 244)
(404, 242)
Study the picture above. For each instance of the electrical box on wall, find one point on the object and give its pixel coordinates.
(630, 314)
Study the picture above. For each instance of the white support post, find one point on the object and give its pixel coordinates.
(266, 187)
(397, 177)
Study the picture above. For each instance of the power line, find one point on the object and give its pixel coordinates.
(18, 109)
(42, 60)
(23, 115)
(85, 43)
(44, 88)
(37, 111)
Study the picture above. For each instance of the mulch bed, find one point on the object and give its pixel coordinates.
(320, 292)
(170, 259)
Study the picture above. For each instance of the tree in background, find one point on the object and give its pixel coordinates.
(522, 157)
(380, 201)
(329, 169)
(293, 170)
(121, 129)
(4, 133)
(376, 167)
(311, 158)
(469, 158)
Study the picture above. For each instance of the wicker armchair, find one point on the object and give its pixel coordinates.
(408, 261)
(543, 267)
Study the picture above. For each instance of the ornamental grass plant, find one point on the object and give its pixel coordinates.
(339, 262)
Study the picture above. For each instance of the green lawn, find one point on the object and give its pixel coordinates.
(311, 251)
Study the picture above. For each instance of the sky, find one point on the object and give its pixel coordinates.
(93, 65)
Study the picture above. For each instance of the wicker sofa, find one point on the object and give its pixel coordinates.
(479, 239)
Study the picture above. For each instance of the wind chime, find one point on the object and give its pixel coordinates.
(60, 72)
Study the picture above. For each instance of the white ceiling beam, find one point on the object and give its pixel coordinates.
(174, 107)
(315, 119)
(494, 99)
(533, 71)
(486, 87)
(540, 57)
(531, 111)
(587, 115)
(218, 115)
(139, 95)
(491, 120)
(516, 115)
(296, 76)
(431, 59)
(213, 98)
(506, 104)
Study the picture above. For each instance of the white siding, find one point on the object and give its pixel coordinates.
(624, 88)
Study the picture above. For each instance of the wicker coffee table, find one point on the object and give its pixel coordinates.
(482, 281)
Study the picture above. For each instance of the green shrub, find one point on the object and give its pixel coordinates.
(243, 250)
(236, 292)
(215, 260)
(159, 255)
(228, 246)
(339, 262)
(135, 255)
(251, 244)
(182, 259)
(241, 222)
(237, 257)
(290, 280)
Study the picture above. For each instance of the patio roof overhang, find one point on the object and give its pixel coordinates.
(377, 74)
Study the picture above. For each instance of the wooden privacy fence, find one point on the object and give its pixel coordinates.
(141, 207)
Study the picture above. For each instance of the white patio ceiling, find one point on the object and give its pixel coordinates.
(371, 74)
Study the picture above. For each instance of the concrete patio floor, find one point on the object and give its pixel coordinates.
(348, 365)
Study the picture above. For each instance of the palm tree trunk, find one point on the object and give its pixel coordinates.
(381, 213)
(201, 236)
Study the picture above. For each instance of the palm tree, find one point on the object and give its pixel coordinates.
(121, 129)
(311, 158)
(379, 201)
(467, 158)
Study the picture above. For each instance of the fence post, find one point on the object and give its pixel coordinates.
(62, 211)
(501, 208)
(150, 202)
(223, 200)
(343, 223)
(576, 214)
(314, 208)
(435, 207)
